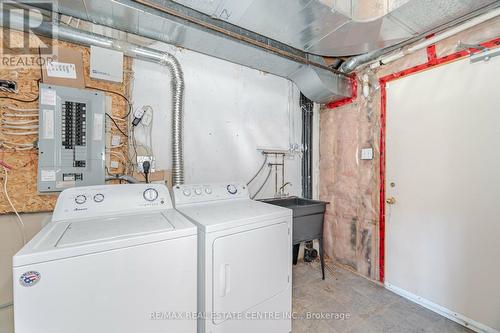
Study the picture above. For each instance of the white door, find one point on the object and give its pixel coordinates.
(249, 268)
(443, 170)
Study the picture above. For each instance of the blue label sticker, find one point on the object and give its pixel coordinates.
(29, 279)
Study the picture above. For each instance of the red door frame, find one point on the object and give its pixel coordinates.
(432, 61)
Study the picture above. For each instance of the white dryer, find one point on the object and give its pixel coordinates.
(114, 258)
(244, 272)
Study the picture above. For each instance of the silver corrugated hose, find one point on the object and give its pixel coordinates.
(136, 51)
(177, 81)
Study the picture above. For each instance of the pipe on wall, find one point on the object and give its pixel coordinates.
(352, 63)
(433, 40)
(69, 34)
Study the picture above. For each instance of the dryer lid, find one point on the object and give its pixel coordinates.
(226, 214)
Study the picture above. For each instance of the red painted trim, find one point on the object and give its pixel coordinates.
(431, 54)
(433, 61)
(348, 100)
(383, 105)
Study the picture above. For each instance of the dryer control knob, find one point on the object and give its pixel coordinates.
(99, 197)
(232, 189)
(208, 190)
(187, 192)
(197, 191)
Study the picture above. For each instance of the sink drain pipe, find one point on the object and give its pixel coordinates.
(73, 35)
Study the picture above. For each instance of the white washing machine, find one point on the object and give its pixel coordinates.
(244, 261)
(114, 258)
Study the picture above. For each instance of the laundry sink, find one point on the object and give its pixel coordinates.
(308, 216)
(300, 206)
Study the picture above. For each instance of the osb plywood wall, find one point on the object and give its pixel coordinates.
(352, 185)
(22, 179)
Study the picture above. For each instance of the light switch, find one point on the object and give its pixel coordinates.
(367, 154)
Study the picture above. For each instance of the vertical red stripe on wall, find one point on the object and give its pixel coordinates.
(382, 183)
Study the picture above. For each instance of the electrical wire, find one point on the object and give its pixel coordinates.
(17, 143)
(21, 115)
(118, 94)
(19, 122)
(10, 107)
(20, 133)
(20, 126)
(119, 155)
(260, 169)
(134, 145)
(17, 148)
(264, 183)
(117, 127)
(20, 221)
(149, 130)
(6, 305)
(20, 100)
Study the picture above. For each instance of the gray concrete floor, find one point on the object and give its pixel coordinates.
(356, 305)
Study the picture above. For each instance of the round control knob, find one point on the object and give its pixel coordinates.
(232, 189)
(98, 197)
(80, 199)
(187, 192)
(197, 191)
(208, 190)
(150, 194)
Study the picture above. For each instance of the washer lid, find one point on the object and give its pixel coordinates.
(226, 214)
(98, 230)
(58, 240)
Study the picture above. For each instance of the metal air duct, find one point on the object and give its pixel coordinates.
(175, 24)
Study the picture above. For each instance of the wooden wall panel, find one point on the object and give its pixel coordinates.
(22, 179)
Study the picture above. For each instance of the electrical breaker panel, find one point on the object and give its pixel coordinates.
(71, 144)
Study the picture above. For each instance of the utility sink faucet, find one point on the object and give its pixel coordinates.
(282, 190)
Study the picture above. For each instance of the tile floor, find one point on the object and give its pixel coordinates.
(360, 305)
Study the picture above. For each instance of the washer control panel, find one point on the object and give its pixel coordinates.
(102, 200)
(197, 193)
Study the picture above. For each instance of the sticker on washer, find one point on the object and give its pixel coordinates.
(48, 175)
(29, 279)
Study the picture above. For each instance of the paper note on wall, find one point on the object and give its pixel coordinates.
(61, 69)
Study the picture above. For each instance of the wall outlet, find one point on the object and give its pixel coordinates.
(142, 158)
